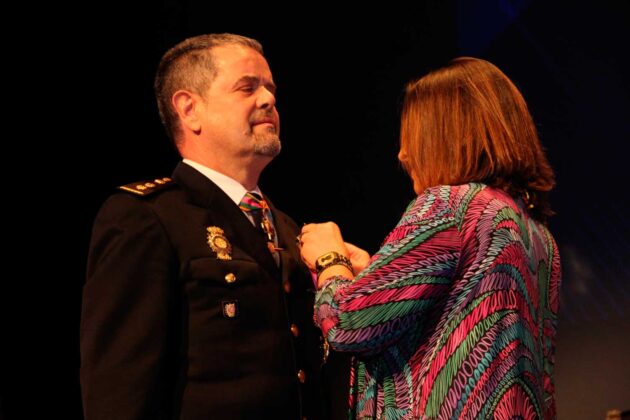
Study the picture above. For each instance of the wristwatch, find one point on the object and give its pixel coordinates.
(331, 258)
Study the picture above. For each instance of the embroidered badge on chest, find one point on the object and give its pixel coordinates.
(219, 243)
(230, 308)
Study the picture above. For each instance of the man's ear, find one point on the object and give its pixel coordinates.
(186, 105)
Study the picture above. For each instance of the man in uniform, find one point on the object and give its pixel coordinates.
(196, 304)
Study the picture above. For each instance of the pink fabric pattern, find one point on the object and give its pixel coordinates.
(455, 316)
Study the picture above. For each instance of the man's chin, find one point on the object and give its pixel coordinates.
(267, 145)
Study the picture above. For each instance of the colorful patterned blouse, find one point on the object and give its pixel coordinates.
(455, 317)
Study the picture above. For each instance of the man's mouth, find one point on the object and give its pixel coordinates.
(265, 121)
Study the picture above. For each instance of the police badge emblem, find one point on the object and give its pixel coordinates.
(219, 243)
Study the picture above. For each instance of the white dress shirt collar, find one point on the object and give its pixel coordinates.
(230, 186)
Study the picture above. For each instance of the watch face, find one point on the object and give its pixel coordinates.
(329, 259)
(325, 258)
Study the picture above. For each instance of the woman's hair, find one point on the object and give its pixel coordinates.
(467, 122)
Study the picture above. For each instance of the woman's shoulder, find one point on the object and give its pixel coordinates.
(472, 191)
(458, 195)
(441, 200)
(463, 199)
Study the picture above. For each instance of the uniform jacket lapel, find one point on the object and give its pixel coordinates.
(290, 254)
(222, 212)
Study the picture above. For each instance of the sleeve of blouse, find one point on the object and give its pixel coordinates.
(410, 274)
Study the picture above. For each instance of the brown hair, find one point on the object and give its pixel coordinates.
(190, 65)
(467, 122)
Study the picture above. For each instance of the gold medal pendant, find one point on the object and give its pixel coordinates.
(273, 248)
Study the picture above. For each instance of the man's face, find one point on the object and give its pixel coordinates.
(239, 116)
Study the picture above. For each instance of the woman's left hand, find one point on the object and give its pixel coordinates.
(317, 239)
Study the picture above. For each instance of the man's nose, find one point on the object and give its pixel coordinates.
(266, 99)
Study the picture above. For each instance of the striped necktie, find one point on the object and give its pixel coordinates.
(254, 205)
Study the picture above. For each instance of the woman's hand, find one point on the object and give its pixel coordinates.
(317, 239)
(358, 257)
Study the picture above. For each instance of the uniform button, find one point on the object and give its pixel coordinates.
(294, 330)
(230, 278)
(287, 286)
(301, 376)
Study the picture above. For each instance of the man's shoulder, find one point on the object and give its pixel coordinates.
(138, 197)
(148, 187)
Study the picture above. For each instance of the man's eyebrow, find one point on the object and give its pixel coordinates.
(271, 86)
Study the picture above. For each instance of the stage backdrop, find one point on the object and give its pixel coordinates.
(340, 81)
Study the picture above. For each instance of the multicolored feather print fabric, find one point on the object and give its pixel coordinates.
(455, 316)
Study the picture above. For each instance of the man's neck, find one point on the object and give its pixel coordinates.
(245, 174)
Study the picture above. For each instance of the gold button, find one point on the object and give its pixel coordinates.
(230, 278)
(287, 286)
(294, 330)
(301, 376)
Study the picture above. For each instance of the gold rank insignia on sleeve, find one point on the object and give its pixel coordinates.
(144, 188)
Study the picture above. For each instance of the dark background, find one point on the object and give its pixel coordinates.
(340, 79)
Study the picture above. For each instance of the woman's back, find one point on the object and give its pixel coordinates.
(493, 347)
(455, 315)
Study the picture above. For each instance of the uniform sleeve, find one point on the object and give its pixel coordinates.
(126, 312)
(410, 274)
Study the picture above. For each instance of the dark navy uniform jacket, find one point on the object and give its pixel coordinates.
(170, 331)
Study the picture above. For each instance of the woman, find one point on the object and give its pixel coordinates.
(454, 316)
